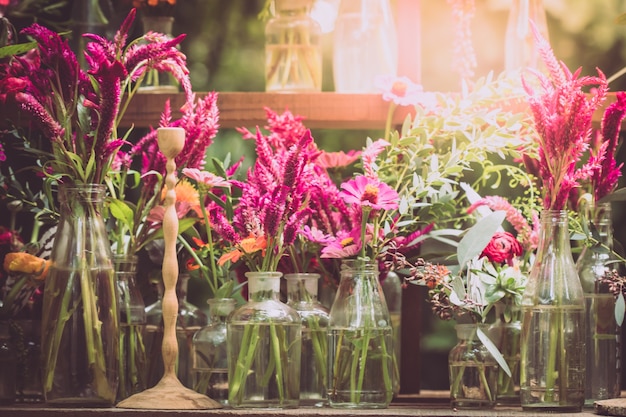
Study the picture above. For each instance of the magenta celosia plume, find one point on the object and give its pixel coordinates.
(563, 113)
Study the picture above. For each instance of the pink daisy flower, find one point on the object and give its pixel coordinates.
(401, 90)
(208, 179)
(369, 192)
(344, 245)
(315, 235)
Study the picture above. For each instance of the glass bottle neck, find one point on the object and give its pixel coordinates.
(554, 232)
(263, 285)
(302, 288)
(220, 308)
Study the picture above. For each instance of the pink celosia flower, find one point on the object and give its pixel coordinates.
(563, 113)
(401, 90)
(364, 191)
(369, 154)
(528, 237)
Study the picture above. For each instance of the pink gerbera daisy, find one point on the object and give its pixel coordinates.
(205, 178)
(369, 192)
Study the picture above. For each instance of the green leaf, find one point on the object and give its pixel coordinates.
(121, 211)
(20, 48)
(620, 308)
(478, 236)
(494, 351)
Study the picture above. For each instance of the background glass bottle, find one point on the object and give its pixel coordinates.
(302, 296)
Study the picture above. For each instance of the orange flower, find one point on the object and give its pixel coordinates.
(249, 245)
(27, 264)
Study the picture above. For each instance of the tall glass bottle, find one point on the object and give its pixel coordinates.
(552, 346)
(80, 319)
(190, 320)
(210, 356)
(365, 45)
(302, 296)
(360, 345)
(603, 335)
(264, 341)
(132, 328)
(520, 49)
(293, 50)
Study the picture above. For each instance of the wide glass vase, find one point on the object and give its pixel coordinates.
(264, 342)
(552, 346)
(293, 49)
(360, 345)
(209, 353)
(80, 320)
(472, 369)
(302, 296)
(133, 361)
(603, 338)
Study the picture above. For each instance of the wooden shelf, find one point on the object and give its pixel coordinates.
(320, 110)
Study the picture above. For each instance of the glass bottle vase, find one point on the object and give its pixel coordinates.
(473, 370)
(156, 81)
(302, 296)
(521, 50)
(264, 342)
(360, 346)
(293, 54)
(603, 341)
(365, 45)
(190, 319)
(132, 328)
(209, 354)
(80, 327)
(552, 346)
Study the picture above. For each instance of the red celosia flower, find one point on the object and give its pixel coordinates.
(369, 192)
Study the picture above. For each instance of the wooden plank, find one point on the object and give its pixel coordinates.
(239, 109)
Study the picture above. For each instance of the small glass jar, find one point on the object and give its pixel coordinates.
(210, 356)
(293, 54)
(264, 342)
(302, 296)
(473, 370)
(155, 81)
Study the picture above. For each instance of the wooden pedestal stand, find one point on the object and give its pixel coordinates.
(170, 393)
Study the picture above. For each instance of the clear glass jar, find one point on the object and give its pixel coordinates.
(473, 370)
(264, 342)
(8, 360)
(552, 346)
(190, 319)
(132, 328)
(302, 296)
(360, 360)
(365, 45)
(155, 81)
(603, 335)
(80, 319)
(520, 49)
(210, 356)
(293, 51)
